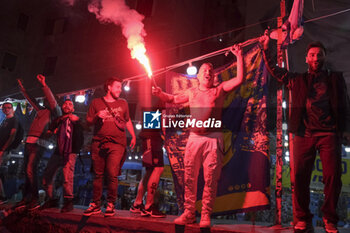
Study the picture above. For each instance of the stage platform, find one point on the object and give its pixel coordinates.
(51, 220)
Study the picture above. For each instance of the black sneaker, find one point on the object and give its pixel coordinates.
(110, 210)
(137, 209)
(68, 205)
(330, 227)
(93, 209)
(153, 212)
(21, 204)
(303, 227)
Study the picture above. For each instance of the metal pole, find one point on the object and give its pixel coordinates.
(279, 119)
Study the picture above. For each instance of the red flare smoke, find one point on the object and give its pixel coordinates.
(117, 12)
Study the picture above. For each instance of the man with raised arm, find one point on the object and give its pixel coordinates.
(204, 145)
(35, 145)
(319, 119)
(110, 117)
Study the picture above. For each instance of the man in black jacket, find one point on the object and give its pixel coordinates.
(69, 142)
(319, 119)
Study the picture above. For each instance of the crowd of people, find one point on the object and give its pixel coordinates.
(319, 122)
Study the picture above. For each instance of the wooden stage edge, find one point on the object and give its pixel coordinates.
(51, 220)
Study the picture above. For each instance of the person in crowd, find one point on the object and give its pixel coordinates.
(110, 117)
(8, 129)
(152, 160)
(204, 145)
(319, 119)
(70, 138)
(35, 143)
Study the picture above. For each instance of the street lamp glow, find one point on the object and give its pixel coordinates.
(127, 86)
(80, 98)
(284, 104)
(191, 70)
(138, 126)
(284, 126)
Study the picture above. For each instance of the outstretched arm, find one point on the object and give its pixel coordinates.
(31, 100)
(176, 99)
(47, 92)
(280, 74)
(238, 80)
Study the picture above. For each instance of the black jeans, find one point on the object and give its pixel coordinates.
(106, 158)
(32, 156)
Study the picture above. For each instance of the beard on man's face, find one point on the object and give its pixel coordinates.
(67, 110)
(315, 66)
(115, 95)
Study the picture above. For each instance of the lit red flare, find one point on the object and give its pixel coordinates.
(138, 51)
